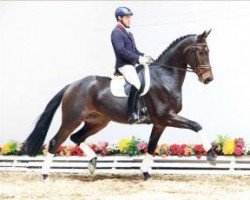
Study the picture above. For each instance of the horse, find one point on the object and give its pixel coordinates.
(90, 100)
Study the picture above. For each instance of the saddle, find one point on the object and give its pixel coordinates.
(121, 88)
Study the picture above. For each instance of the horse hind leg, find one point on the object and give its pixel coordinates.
(65, 130)
(80, 136)
(55, 142)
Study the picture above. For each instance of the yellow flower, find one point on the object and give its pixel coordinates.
(9, 148)
(228, 147)
(5, 149)
(123, 145)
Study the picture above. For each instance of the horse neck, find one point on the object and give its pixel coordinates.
(175, 60)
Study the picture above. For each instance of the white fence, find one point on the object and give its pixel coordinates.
(126, 164)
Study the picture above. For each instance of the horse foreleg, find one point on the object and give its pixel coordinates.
(180, 122)
(154, 138)
(177, 121)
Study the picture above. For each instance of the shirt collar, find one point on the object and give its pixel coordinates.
(122, 27)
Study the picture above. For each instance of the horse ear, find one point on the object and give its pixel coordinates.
(207, 33)
(203, 36)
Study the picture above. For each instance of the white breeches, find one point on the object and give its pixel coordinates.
(129, 72)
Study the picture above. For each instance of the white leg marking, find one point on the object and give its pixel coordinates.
(47, 162)
(204, 140)
(87, 150)
(146, 163)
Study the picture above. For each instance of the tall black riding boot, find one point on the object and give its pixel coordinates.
(132, 105)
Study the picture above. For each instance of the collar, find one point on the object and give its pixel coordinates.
(120, 26)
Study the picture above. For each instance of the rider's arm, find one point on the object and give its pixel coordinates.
(118, 44)
(138, 52)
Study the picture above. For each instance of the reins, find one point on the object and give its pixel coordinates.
(189, 69)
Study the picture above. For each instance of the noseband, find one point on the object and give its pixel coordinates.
(194, 49)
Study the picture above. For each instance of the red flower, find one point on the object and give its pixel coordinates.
(239, 146)
(105, 151)
(199, 151)
(181, 150)
(174, 149)
(76, 151)
(61, 150)
(94, 147)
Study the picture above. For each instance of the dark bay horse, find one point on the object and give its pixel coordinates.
(89, 100)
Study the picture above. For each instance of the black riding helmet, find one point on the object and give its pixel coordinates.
(122, 11)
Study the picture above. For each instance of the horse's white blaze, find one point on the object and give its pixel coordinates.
(47, 162)
(204, 140)
(87, 150)
(146, 163)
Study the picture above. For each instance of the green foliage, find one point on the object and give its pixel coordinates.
(219, 142)
(10, 148)
(132, 147)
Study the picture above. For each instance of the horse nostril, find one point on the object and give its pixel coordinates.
(207, 80)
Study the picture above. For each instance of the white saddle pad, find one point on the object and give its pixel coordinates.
(118, 82)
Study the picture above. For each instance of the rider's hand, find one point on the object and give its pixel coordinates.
(143, 60)
(151, 60)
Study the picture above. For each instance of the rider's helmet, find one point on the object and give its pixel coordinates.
(122, 11)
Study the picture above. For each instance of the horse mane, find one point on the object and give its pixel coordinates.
(173, 44)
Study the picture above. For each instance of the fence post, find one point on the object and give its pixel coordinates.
(114, 164)
(14, 163)
(232, 164)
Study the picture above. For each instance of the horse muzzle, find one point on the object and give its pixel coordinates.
(206, 77)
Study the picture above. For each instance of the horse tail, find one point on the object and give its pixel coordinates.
(32, 145)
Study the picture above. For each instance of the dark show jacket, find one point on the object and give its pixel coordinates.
(124, 47)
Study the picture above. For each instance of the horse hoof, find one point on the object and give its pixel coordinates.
(146, 176)
(45, 177)
(211, 157)
(92, 165)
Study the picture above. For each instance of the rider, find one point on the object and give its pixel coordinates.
(127, 56)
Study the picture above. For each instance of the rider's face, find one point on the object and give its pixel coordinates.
(126, 20)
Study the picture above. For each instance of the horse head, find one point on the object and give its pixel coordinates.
(198, 57)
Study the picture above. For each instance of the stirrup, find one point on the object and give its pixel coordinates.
(134, 118)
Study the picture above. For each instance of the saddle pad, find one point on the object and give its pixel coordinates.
(117, 84)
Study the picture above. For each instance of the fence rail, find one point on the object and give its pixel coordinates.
(126, 164)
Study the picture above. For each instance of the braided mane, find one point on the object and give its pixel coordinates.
(173, 44)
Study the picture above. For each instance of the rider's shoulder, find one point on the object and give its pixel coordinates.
(117, 32)
(118, 29)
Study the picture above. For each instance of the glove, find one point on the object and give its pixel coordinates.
(151, 60)
(143, 60)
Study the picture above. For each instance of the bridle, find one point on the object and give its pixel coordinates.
(194, 49)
